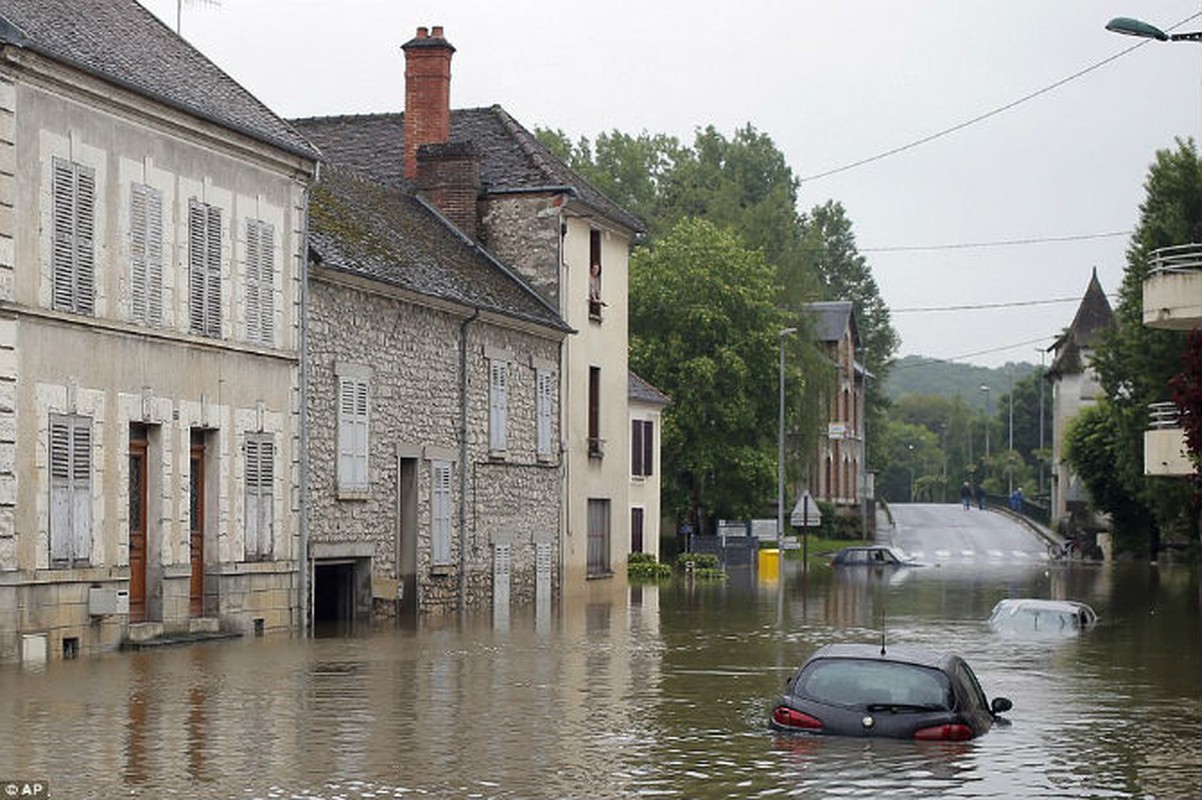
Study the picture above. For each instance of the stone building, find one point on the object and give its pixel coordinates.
(434, 472)
(151, 219)
(837, 475)
(509, 196)
(1074, 387)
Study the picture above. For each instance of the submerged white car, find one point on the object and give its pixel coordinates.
(1033, 616)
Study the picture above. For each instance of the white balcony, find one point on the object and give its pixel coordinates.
(1173, 288)
(1164, 443)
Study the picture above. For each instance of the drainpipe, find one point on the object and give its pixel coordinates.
(463, 457)
(303, 584)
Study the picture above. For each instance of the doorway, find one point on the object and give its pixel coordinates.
(137, 522)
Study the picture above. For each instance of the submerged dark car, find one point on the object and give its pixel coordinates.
(872, 555)
(899, 692)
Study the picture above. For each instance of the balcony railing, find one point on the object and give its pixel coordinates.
(1163, 415)
(1173, 287)
(1165, 451)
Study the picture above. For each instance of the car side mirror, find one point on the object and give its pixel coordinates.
(1000, 705)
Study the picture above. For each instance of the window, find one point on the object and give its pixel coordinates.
(636, 530)
(545, 386)
(440, 512)
(146, 255)
(260, 281)
(498, 404)
(260, 459)
(204, 269)
(594, 275)
(598, 537)
(595, 444)
(74, 219)
(70, 491)
(352, 434)
(642, 439)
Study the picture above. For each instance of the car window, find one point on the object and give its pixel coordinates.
(856, 682)
(968, 679)
(855, 557)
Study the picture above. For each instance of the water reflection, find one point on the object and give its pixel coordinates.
(662, 691)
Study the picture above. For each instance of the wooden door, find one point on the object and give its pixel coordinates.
(137, 524)
(196, 584)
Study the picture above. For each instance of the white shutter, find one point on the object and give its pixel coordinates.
(71, 490)
(260, 281)
(545, 387)
(498, 404)
(154, 257)
(139, 279)
(73, 196)
(204, 269)
(85, 216)
(260, 459)
(440, 512)
(352, 434)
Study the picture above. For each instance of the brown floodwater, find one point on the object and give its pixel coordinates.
(653, 693)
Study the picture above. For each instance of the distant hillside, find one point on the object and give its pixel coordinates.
(922, 375)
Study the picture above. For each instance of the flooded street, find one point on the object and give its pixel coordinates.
(660, 692)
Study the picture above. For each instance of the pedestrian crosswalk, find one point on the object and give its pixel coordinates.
(969, 555)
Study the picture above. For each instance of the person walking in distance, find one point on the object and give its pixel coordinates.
(966, 495)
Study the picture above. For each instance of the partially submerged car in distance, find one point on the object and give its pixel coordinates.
(872, 555)
(1046, 617)
(899, 693)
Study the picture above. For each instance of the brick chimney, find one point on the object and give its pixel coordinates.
(448, 175)
(427, 93)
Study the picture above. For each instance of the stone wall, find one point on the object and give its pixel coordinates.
(524, 232)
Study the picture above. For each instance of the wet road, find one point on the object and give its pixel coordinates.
(649, 693)
(946, 534)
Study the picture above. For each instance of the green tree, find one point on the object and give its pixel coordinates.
(1135, 364)
(705, 331)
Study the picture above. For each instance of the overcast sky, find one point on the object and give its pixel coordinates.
(832, 83)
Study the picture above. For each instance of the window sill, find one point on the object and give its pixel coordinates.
(440, 570)
(498, 455)
(354, 495)
(599, 576)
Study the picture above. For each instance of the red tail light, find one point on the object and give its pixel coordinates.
(791, 718)
(944, 733)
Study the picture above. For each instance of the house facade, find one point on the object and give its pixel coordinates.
(511, 198)
(434, 471)
(1075, 386)
(646, 416)
(838, 473)
(151, 219)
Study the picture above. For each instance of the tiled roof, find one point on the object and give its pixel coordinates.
(640, 391)
(362, 228)
(831, 319)
(1093, 316)
(512, 159)
(121, 42)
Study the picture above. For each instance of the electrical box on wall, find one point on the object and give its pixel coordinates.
(103, 601)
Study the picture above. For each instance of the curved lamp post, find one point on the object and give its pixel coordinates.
(1135, 27)
(780, 451)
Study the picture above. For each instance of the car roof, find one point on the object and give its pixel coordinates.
(900, 654)
(1015, 604)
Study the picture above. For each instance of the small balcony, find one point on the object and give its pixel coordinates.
(1164, 443)
(1173, 288)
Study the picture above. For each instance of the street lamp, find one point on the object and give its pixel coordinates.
(780, 451)
(1041, 382)
(985, 389)
(1134, 27)
(911, 460)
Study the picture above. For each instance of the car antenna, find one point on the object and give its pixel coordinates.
(882, 641)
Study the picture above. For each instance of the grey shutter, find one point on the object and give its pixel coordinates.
(154, 257)
(498, 404)
(260, 280)
(60, 491)
(139, 279)
(204, 269)
(352, 435)
(544, 390)
(260, 461)
(85, 231)
(440, 512)
(73, 200)
(70, 490)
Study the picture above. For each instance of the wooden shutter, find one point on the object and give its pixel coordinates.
(260, 280)
(204, 269)
(440, 512)
(636, 447)
(146, 255)
(545, 388)
(498, 404)
(71, 490)
(648, 447)
(260, 460)
(352, 435)
(73, 221)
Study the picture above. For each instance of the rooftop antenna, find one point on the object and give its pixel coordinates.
(179, 11)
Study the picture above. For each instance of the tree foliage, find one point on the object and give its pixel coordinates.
(704, 330)
(1135, 364)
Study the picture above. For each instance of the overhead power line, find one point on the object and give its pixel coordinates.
(932, 360)
(993, 113)
(978, 306)
(1000, 243)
